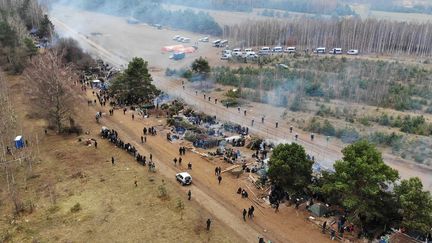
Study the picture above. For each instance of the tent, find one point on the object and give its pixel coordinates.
(318, 209)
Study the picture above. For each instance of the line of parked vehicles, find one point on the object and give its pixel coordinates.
(188, 40)
(265, 50)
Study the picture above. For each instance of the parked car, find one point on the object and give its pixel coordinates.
(248, 50)
(290, 49)
(251, 54)
(277, 49)
(204, 39)
(227, 52)
(353, 52)
(186, 40)
(216, 43)
(336, 51)
(320, 50)
(176, 37)
(237, 53)
(226, 56)
(265, 50)
(184, 178)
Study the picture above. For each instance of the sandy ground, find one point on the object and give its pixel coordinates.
(124, 38)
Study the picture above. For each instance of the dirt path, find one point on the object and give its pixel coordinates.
(221, 200)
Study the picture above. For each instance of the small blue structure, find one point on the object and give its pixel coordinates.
(19, 142)
(178, 56)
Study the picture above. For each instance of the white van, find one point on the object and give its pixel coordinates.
(265, 50)
(290, 49)
(186, 40)
(336, 51)
(320, 50)
(250, 54)
(216, 43)
(277, 49)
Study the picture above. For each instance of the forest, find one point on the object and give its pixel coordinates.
(368, 36)
(152, 12)
(379, 83)
(17, 19)
(332, 7)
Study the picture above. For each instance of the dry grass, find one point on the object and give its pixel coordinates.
(111, 208)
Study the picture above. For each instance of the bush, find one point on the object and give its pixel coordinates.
(348, 135)
(380, 138)
(76, 208)
(296, 105)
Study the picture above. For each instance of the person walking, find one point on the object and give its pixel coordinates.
(332, 234)
(252, 211)
(142, 139)
(175, 161)
(189, 166)
(145, 139)
(180, 160)
(133, 116)
(324, 227)
(208, 224)
(136, 183)
(253, 122)
(189, 195)
(277, 124)
(244, 214)
(277, 207)
(95, 144)
(216, 171)
(219, 179)
(151, 157)
(112, 160)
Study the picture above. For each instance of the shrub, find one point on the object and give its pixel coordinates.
(348, 135)
(296, 105)
(75, 208)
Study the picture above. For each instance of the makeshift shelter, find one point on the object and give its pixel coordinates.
(172, 48)
(318, 209)
(19, 142)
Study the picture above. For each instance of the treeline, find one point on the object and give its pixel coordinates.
(152, 12)
(378, 83)
(17, 19)
(327, 7)
(368, 36)
(332, 7)
(226, 5)
(391, 6)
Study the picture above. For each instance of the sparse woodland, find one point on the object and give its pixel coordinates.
(368, 36)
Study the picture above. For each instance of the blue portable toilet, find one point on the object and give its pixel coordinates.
(19, 142)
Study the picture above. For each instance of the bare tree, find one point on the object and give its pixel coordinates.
(50, 81)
